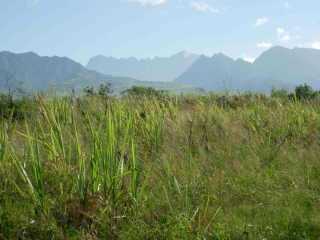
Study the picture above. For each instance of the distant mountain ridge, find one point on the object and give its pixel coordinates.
(217, 72)
(157, 69)
(277, 67)
(30, 71)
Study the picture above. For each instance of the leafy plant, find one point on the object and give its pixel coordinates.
(145, 92)
(305, 92)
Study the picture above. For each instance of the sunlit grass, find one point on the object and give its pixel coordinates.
(180, 167)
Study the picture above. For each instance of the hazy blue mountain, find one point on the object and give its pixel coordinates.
(216, 73)
(158, 69)
(277, 67)
(30, 71)
(289, 67)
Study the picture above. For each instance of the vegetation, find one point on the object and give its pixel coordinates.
(305, 92)
(15, 108)
(302, 93)
(104, 90)
(140, 91)
(144, 167)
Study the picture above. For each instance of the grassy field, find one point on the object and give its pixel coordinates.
(205, 167)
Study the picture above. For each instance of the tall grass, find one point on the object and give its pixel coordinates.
(181, 167)
(32, 172)
(3, 141)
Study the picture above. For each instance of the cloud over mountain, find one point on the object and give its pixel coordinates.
(149, 3)
(261, 21)
(200, 6)
(264, 45)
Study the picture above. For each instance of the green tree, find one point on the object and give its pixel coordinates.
(144, 91)
(104, 90)
(305, 92)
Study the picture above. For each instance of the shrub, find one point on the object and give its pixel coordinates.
(145, 92)
(301, 92)
(279, 93)
(15, 109)
(104, 90)
(305, 92)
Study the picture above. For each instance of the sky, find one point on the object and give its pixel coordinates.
(81, 29)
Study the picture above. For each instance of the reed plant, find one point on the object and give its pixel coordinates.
(165, 167)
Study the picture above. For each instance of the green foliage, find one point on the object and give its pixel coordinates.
(15, 108)
(89, 91)
(174, 167)
(104, 90)
(305, 92)
(301, 93)
(279, 93)
(138, 91)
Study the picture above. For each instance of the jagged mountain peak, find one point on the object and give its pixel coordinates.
(157, 69)
(184, 54)
(277, 67)
(33, 72)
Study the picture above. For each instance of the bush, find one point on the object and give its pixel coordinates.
(305, 92)
(279, 93)
(301, 92)
(145, 92)
(16, 109)
(104, 90)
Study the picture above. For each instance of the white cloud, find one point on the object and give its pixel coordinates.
(280, 31)
(285, 38)
(149, 3)
(203, 7)
(316, 45)
(264, 45)
(283, 35)
(248, 59)
(261, 21)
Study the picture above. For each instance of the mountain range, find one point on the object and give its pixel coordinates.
(158, 69)
(29, 71)
(277, 67)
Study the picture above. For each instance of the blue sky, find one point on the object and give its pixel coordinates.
(80, 29)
